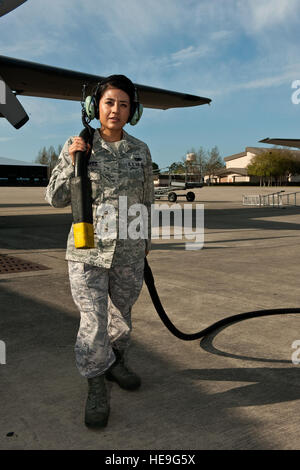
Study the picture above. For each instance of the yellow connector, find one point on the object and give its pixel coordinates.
(83, 235)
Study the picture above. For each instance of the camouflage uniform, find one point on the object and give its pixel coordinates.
(115, 265)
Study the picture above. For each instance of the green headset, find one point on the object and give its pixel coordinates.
(91, 103)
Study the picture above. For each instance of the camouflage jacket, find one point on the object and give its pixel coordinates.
(113, 173)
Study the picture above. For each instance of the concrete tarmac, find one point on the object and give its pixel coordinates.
(238, 389)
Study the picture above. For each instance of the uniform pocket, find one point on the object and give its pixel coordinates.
(96, 186)
(136, 172)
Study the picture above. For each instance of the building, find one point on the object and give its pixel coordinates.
(17, 172)
(236, 167)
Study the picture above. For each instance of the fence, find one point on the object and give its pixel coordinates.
(280, 198)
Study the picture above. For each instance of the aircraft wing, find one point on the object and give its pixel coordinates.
(283, 142)
(8, 5)
(34, 79)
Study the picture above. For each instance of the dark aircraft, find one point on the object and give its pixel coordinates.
(285, 142)
(8, 5)
(20, 77)
(33, 79)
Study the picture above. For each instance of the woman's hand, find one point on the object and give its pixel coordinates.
(78, 145)
(146, 252)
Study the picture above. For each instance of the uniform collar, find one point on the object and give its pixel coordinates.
(125, 145)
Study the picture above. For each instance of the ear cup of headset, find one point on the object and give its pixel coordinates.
(137, 114)
(90, 107)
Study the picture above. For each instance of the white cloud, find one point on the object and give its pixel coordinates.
(136, 19)
(191, 52)
(259, 15)
(221, 35)
(48, 112)
(268, 82)
(284, 78)
(252, 16)
(36, 47)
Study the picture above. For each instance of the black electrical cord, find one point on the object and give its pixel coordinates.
(149, 280)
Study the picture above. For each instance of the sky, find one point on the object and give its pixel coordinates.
(243, 54)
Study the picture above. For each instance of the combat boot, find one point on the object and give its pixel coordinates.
(97, 404)
(119, 373)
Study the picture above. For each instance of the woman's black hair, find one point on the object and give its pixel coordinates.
(124, 84)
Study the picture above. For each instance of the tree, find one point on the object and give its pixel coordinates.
(198, 166)
(155, 168)
(48, 157)
(258, 167)
(42, 157)
(201, 160)
(274, 165)
(52, 156)
(206, 162)
(214, 162)
(177, 167)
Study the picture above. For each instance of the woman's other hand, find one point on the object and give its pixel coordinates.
(78, 145)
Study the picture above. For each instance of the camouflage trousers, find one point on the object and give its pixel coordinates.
(104, 298)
